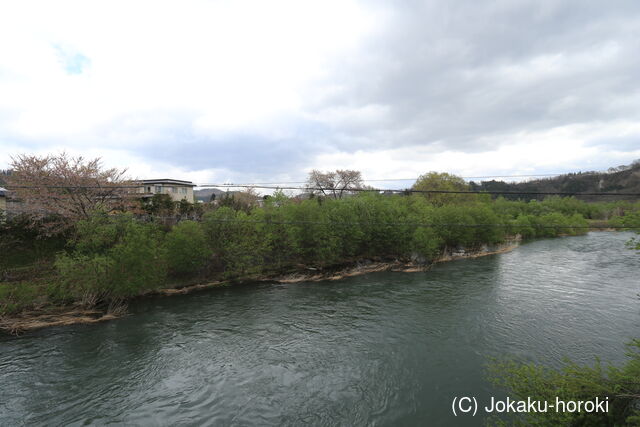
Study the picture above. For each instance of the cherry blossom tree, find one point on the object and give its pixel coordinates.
(55, 191)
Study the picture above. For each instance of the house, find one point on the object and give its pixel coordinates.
(175, 188)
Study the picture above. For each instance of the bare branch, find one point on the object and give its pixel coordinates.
(336, 183)
(57, 190)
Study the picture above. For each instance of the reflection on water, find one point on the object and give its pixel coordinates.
(386, 348)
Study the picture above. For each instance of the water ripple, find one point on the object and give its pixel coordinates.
(382, 349)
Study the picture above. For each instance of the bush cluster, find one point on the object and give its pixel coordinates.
(118, 256)
(574, 383)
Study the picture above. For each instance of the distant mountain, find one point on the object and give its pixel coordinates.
(205, 194)
(622, 179)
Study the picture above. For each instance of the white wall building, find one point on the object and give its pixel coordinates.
(175, 188)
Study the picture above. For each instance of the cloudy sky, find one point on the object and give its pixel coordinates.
(247, 91)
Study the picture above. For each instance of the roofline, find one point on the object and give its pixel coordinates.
(167, 181)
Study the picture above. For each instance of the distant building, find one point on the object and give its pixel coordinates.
(175, 188)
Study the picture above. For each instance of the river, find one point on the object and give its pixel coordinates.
(379, 349)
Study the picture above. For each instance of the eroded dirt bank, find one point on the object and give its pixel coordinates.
(63, 316)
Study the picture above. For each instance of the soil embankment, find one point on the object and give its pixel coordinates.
(64, 316)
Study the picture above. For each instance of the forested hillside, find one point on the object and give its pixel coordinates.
(622, 179)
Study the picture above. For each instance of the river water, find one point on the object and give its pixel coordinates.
(380, 349)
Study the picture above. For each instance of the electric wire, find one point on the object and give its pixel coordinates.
(346, 190)
(408, 190)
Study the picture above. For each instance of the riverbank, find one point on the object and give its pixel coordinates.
(353, 352)
(112, 258)
(64, 316)
(416, 265)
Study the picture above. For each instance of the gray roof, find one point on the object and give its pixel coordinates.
(168, 181)
(3, 192)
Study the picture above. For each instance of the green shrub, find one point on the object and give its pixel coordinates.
(525, 226)
(81, 276)
(114, 257)
(234, 238)
(98, 233)
(573, 383)
(426, 242)
(448, 219)
(139, 261)
(629, 219)
(187, 249)
(15, 297)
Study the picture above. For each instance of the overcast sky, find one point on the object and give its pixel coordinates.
(248, 91)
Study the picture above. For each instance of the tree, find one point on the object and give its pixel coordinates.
(239, 200)
(160, 205)
(335, 184)
(3, 177)
(58, 190)
(185, 207)
(187, 249)
(435, 181)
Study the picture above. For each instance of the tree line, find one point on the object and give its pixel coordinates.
(109, 256)
(83, 249)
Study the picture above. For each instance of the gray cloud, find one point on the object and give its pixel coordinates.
(627, 143)
(171, 138)
(442, 75)
(451, 73)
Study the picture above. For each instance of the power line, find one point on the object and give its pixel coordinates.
(304, 182)
(388, 179)
(343, 190)
(347, 190)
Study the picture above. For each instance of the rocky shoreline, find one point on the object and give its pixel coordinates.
(64, 316)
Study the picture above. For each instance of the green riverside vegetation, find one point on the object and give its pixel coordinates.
(620, 387)
(114, 257)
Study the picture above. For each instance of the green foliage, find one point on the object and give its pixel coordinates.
(116, 256)
(81, 275)
(446, 219)
(426, 242)
(630, 220)
(113, 257)
(566, 206)
(286, 233)
(21, 245)
(99, 233)
(485, 218)
(238, 200)
(232, 237)
(436, 181)
(573, 383)
(139, 261)
(525, 225)
(187, 248)
(159, 204)
(185, 207)
(15, 297)
(312, 236)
